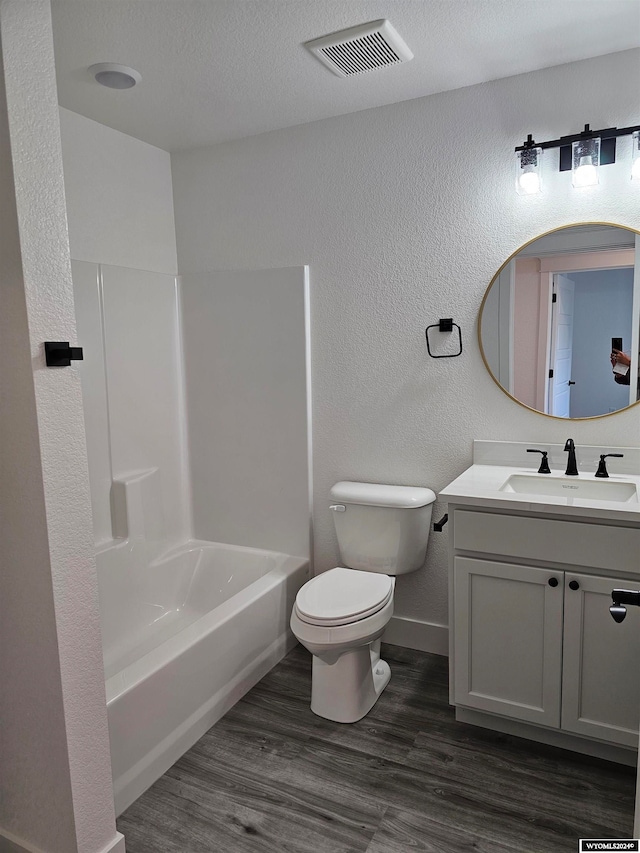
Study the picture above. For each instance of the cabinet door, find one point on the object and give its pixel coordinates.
(600, 677)
(508, 639)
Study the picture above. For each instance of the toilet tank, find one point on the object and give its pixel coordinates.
(382, 528)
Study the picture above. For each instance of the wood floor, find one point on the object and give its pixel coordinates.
(272, 777)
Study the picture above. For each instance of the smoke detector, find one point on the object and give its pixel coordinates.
(359, 49)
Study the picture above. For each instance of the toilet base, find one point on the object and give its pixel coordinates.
(345, 691)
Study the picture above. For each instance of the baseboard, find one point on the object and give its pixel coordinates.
(115, 846)
(413, 634)
(9, 846)
(9, 843)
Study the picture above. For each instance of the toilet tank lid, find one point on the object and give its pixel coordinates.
(375, 494)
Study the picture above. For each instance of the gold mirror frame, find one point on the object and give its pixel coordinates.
(482, 305)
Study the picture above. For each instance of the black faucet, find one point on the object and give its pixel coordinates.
(572, 468)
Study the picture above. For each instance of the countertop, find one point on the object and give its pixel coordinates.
(480, 485)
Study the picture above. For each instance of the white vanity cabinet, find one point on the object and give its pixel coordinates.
(600, 662)
(532, 639)
(508, 640)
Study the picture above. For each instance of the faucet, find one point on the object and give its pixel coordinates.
(572, 468)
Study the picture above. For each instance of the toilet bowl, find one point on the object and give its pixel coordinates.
(340, 615)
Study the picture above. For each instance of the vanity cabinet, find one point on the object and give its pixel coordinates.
(508, 640)
(532, 636)
(600, 662)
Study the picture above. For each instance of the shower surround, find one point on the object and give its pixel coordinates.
(196, 412)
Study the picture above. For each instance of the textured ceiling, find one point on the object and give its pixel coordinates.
(214, 70)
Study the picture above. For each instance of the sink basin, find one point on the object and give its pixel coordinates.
(571, 487)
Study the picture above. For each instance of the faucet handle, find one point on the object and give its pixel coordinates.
(544, 463)
(602, 466)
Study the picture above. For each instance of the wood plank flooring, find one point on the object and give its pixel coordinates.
(271, 776)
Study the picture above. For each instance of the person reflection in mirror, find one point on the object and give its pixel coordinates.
(620, 362)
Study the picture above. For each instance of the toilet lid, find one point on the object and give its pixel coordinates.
(341, 596)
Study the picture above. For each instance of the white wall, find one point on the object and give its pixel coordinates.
(25, 579)
(404, 213)
(55, 782)
(119, 197)
(245, 368)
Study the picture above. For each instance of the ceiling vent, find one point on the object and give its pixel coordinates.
(360, 49)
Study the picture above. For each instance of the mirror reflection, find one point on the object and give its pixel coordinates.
(559, 325)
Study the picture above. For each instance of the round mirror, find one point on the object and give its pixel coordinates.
(559, 325)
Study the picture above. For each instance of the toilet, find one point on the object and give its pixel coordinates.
(340, 615)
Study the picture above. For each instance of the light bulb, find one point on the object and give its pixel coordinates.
(586, 175)
(529, 182)
(529, 169)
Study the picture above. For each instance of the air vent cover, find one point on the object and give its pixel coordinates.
(359, 49)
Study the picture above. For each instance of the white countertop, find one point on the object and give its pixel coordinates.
(480, 485)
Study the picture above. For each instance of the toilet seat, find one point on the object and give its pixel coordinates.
(342, 596)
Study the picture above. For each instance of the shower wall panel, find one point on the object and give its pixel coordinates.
(132, 381)
(245, 365)
(86, 294)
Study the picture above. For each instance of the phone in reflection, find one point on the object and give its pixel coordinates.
(616, 346)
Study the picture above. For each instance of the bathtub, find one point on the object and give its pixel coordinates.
(184, 638)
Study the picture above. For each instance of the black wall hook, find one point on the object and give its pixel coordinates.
(444, 325)
(60, 354)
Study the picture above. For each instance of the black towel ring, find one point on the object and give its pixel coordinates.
(445, 325)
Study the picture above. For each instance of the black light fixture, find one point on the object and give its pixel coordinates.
(582, 153)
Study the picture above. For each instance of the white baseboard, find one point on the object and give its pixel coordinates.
(115, 846)
(10, 843)
(413, 634)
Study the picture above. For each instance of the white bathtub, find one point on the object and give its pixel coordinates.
(184, 638)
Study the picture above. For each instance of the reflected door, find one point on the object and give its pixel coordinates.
(634, 391)
(561, 346)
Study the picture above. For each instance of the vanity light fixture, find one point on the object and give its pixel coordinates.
(582, 153)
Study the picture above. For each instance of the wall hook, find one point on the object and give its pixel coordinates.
(444, 325)
(60, 354)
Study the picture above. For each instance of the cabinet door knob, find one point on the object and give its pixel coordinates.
(553, 581)
(574, 585)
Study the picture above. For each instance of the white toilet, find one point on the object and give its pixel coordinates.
(339, 616)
